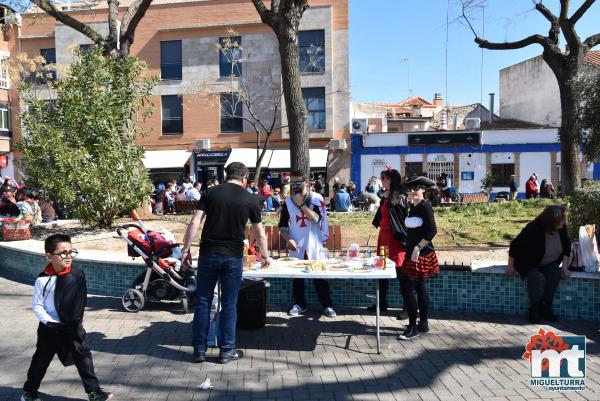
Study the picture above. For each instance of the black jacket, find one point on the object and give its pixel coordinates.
(70, 297)
(398, 214)
(529, 246)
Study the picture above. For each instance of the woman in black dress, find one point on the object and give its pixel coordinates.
(421, 261)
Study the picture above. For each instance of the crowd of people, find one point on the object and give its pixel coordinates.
(19, 202)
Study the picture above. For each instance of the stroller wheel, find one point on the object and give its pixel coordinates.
(133, 300)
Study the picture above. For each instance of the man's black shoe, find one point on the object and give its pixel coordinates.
(231, 356)
(403, 315)
(373, 308)
(199, 357)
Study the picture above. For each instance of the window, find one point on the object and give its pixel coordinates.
(231, 113)
(412, 169)
(314, 100)
(85, 49)
(435, 170)
(49, 74)
(311, 49)
(170, 60)
(230, 56)
(4, 73)
(4, 117)
(501, 174)
(172, 115)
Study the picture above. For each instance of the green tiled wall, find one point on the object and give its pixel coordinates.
(458, 291)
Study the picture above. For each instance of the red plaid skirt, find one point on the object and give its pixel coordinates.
(426, 266)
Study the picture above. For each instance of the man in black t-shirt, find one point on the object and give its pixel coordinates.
(227, 207)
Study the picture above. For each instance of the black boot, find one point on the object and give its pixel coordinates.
(534, 314)
(546, 313)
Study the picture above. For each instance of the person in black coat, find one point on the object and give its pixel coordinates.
(59, 300)
(538, 251)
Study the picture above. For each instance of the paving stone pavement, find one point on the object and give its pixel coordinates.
(146, 357)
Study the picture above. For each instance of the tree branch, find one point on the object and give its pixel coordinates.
(546, 13)
(113, 15)
(530, 40)
(131, 19)
(66, 19)
(592, 41)
(554, 31)
(568, 28)
(267, 16)
(582, 10)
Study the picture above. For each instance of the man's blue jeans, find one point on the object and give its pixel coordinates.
(228, 270)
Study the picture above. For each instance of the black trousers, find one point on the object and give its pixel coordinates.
(322, 288)
(53, 341)
(409, 286)
(383, 288)
(551, 275)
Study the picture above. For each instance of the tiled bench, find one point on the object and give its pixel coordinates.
(481, 287)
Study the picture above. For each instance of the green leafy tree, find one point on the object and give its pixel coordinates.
(487, 183)
(80, 146)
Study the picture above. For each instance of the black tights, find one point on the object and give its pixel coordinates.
(408, 287)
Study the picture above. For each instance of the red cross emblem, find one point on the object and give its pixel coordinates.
(303, 218)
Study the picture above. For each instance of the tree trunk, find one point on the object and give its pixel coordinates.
(259, 160)
(295, 108)
(569, 148)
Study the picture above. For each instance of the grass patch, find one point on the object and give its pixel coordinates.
(495, 223)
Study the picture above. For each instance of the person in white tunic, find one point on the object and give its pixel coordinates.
(303, 225)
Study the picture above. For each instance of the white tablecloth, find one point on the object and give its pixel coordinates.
(286, 270)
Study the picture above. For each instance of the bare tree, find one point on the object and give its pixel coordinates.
(257, 105)
(258, 102)
(284, 19)
(564, 64)
(120, 33)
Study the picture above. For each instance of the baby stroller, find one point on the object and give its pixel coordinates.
(164, 279)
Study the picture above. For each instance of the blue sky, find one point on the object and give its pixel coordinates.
(383, 33)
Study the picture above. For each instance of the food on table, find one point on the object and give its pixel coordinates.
(316, 266)
(361, 269)
(303, 263)
(338, 266)
(288, 259)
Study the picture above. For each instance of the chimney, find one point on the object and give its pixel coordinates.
(492, 107)
(437, 99)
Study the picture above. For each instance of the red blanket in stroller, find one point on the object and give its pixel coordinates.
(155, 244)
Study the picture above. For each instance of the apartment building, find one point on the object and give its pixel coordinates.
(6, 143)
(191, 132)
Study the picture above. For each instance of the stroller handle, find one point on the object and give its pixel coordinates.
(125, 227)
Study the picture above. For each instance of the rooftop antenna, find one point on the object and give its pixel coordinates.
(481, 71)
(447, 25)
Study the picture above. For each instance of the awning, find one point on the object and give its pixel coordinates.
(275, 158)
(158, 159)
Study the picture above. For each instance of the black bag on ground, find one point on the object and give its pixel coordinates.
(252, 305)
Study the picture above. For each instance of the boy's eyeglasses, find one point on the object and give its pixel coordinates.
(297, 183)
(414, 189)
(63, 255)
